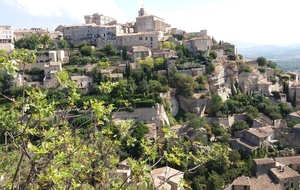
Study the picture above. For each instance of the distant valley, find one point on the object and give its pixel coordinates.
(287, 58)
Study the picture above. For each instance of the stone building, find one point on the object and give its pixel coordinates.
(164, 53)
(263, 165)
(140, 51)
(292, 161)
(6, 38)
(241, 183)
(166, 178)
(107, 34)
(197, 44)
(250, 140)
(76, 34)
(83, 82)
(262, 121)
(286, 177)
(147, 39)
(50, 69)
(294, 94)
(98, 19)
(229, 45)
(146, 22)
(20, 33)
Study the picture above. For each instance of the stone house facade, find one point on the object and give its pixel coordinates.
(50, 69)
(164, 53)
(83, 82)
(250, 140)
(197, 44)
(147, 39)
(140, 51)
(241, 183)
(263, 165)
(286, 177)
(291, 161)
(281, 175)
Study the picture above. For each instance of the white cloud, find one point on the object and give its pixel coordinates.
(72, 8)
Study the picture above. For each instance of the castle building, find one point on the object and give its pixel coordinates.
(146, 22)
(98, 19)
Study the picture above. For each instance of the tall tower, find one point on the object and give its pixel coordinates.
(88, 19)
(142, 11)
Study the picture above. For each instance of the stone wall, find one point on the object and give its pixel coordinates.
(226, 122)
(288, 137)
(143, 114)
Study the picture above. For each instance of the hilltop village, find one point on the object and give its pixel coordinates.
(148, 106)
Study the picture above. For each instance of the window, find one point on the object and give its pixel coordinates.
(151, 38)
(146, 38)
(140, 38)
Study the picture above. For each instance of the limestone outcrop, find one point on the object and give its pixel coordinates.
(195, 104)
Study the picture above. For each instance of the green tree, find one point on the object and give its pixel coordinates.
(6, 84)
(273, 111)
(86, 50)
(252, 113)
(214, 41)
(30, 42)
(127, 70)
(74, 59)
(110, 50)
(213, 54)
(217, 129)
(234, 156)
(197, 122)
(168, 45)
(262, 61)
(232, 57)
(62, 44)
(239, 125)
(124, 53)
(215, 105)
(85, 60)
(184, 84)
(45, 151)
(215, 182)
(159, 63)
(210, 68)
(45, 40)
(272, 64)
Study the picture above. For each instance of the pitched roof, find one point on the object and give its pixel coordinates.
(264, 182)
(261, 132)
(285, 172)
(169, 173)
(261, 161)
(288, 160)
(242, 180)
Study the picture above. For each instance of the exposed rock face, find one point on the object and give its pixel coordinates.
(248, 81)
(225, 75)
(193, 104)
(170, 96)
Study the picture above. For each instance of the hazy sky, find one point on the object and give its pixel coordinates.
(252, 21)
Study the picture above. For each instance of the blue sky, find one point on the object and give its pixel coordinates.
(252, 21)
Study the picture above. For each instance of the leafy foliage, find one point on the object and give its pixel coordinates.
(262, 61)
